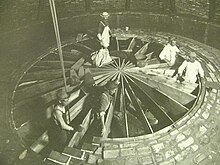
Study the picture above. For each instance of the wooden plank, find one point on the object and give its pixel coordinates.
(38, 89)
(58, 158)
(42, 75)
(138, 107)
(46, 97)
(140, 53)
(78, 64)
(53, 64)
(40, 143)
(78, 135)
(132, 44)
(77, 108)
(164, 76)
(174, 90)
(73, 54)
(82, 48)
(161, 100)
(109, 117)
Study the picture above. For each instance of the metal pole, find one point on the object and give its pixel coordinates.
(56, 29)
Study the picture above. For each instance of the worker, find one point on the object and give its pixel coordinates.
(104, 32)
(102, 56)
(191, 69)
(58, 128)
(170, 52)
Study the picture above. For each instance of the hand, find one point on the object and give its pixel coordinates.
(179, 78)
(71, 129)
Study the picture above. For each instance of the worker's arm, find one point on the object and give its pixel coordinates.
(100, 30)
(200, 70)
(181, 68)
(59, 116)
(102, 116)
(104, 103)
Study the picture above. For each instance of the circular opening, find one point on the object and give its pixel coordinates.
(147, 99)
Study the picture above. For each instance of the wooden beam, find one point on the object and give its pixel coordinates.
(140, 53)
(168, 87)
(38, 89)
(42, 75)
(78, 64)
(132, 44)
(123, 106)
(109, 117)
(161, 100)
(78, 135)
(46, 97)
(138, 107)
(53, 64)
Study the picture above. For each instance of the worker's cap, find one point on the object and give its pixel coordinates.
(61, 94)
(110, 85)
(192, 54)
(104, 14)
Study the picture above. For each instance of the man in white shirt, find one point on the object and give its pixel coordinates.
(192, 68)
(169, 52)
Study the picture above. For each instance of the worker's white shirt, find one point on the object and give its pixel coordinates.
(106, 37)
(192, 69)
(169, 54)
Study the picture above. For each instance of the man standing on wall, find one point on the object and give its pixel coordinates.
(170, 52)
(104, 34)
(190, 69)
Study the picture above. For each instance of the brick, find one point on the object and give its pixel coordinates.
(144, 150)
(187, 132)
(92, 159)
(131, 161)
(204, 140)
(180, 137)
(202, 130)
(75, 161)
(98, 151)
(89, 147)
(205, 114)
(128, 151)
(178, 157)
(146, 160)
(158, 147)
(111, 153)
(169, 162)
(169, 153)
(73, 152)
(195, 147)
(58, 157)
(186, 152)
(127, 145)
(186, 143)
(174, 132)
(199, 158)
(158, 157)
